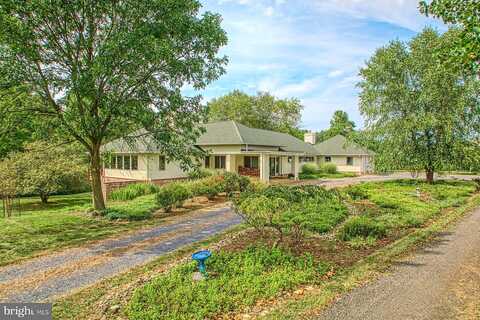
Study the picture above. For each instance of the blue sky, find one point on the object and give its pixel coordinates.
(308, 49)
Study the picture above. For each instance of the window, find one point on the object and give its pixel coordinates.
(250, 162)
(134, 162)
(126, 162)
(220, 162)
(328, 159)
(207, 162)
(349, 161)
(119, 162)
(161, 163)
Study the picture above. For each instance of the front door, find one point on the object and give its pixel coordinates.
(274, 166)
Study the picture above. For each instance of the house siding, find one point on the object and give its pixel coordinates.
(341, 163)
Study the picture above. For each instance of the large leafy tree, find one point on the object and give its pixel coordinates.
(45, 168)
(339, 124)
(466, 15)
(105, 68)
(263, 111)
(422, 112)
(18, 126)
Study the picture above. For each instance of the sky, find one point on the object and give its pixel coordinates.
(309, 49)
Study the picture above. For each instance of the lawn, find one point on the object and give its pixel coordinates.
(337, 175)
(63, 222)
(246, 273)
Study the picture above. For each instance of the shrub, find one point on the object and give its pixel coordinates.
(238, 279)
(361, 226)
(133, 191)
(292, 209)
(233, 182)
(329, 168)
(309, 168)
(208, 187)
(172, 195)
(200, 173)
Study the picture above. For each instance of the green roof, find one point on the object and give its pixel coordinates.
(340, 146)
(231, 132)
(220, 133)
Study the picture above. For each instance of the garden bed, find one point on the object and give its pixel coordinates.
(393, 210)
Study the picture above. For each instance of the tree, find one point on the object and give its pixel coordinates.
(422, 112)
(104, 69)
(262, 111)
(8, 186)
(45, 168)
(339, 124)
(463, 13)
(18, 126)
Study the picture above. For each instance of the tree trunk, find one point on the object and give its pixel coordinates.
(44, 198)
(96, 172)
(429, 175)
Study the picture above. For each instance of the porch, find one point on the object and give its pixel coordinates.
(261, 165)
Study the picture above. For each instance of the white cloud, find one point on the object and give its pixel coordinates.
(269, 11)
(404, 13)
(335, 73)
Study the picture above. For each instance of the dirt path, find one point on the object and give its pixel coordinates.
(43, 278)
(440, 282)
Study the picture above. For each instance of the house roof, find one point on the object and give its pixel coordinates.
(219, 133)
(231, 132)
(340, 146)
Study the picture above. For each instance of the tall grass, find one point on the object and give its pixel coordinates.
(133, 191)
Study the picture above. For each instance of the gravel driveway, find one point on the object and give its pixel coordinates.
(43, 278)
(440, 282)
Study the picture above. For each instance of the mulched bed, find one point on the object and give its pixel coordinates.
(323, 249)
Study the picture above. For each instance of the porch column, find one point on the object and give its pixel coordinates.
(295, 167)
(230, 163)
(264, 164)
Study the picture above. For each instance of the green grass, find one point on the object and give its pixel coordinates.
(237, 279)
(338, 175)
(61, 223)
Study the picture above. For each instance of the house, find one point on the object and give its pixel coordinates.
(230, 146)
(347, 155)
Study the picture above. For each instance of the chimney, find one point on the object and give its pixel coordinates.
(310, 137)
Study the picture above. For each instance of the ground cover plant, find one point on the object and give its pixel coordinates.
(379, 213)
(237, 278)
(396, 206)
